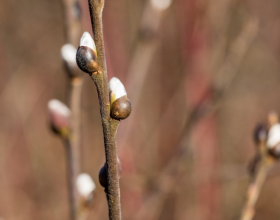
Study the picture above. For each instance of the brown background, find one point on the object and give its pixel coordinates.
(210, 72)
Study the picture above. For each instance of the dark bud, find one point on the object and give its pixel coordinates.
(121, 108)
(103, 176)
(275, 151)
(86, 59)
(103, 173)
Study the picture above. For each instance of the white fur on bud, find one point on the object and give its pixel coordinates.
(59, 116)
(273, 136)
(85, 185)
(68, 54)
(161, 4)
(59, 107)
(87, 41)
(117, 89)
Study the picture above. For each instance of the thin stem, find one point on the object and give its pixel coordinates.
(73, 27)
(70, 178)
(109, 125)
(75, 91)
(255, 186)
(72, 15)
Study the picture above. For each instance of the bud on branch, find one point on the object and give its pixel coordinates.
(86, 55)
(59, 117)
(120, 104)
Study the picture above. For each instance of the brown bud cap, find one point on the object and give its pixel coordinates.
(121, 108)
(86, 59)
(275, 151)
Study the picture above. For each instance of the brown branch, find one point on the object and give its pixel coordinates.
(109, 125)
(254, 189)
(142, 58)
(72, 143)
(70, 178)
(248, 34)
(73, 27)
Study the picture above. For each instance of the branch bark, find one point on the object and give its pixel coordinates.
(109, 125)
(72, 143)
(255, 187)
(74, 147)
(70, 178)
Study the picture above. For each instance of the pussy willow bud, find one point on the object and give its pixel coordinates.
(85, 185)
(86, 54)
(68, 55)
(120, 104)
(161, 4)
(103, 173)
(59, 117)
(273, 140)
(273, 136)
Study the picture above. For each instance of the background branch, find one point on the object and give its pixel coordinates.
(255, 187)
(73, 27)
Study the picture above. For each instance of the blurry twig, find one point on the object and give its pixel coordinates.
(142, 57)
(237, 51)
(72, 13)
(245, 38)
(165, 183)
(266, 163)
(73, 28)
(267, 152)
(234, 59)
(255, 188)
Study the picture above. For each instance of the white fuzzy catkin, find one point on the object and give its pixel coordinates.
(273, 136)
(85, 184)
(161, 4)
(59, 107)
(117, 89)
(68, 54)
(87, 41)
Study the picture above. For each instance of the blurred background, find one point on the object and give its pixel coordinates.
(200, 75)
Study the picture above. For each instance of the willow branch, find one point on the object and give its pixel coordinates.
(72, 144)
(72, 14)
(256, 184)
(75, 91)
(70, 178)
(109, 125)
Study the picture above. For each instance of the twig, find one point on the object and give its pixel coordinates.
(109, 125)
(70, 178)
(72, 14)
(254, 189)
(248, 34)
(237, 50)
(142, 58)
(72, 143)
